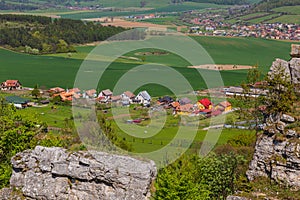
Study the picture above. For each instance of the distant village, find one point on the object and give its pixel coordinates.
(277, 31)
(182, 106)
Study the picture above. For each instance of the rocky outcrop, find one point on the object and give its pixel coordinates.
(291, 68)
(277, 154)
(295, 52)
(54, 173)
(231, 197)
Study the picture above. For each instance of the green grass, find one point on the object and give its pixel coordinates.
(162, 21)
(263, 19)
(53, 117)
(288, 19)
(288, 9)
(245, 17)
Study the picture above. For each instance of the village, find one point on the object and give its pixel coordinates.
(183, 106)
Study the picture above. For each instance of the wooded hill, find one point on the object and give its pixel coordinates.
(40, 35)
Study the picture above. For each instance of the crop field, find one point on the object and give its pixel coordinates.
(288, 9)
(60, 69)
(162, 21)
(288, 19)
(264, 18)
(169, 8)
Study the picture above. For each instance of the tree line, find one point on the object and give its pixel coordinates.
(20, 6)
(40, 35)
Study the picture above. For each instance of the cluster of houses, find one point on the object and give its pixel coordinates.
(185, 106)
(206, 26)
(105, 96)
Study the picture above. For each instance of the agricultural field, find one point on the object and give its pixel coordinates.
(288, 9)
(288, 19)
(169, 20)
(60, 69)
(169, 8)
(264, 18)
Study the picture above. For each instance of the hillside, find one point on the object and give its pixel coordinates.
(268, 5)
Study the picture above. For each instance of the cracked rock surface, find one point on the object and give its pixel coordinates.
(54, 173)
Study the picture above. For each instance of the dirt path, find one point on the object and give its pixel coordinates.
(126, 24)
(221, 67)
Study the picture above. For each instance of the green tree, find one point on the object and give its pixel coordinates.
(281, 94)
(192, 177)
(35, 92)
(17, 134)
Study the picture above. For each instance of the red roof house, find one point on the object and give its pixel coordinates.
(206, 103)
(11, 85)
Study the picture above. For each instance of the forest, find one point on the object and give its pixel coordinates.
(42, 35)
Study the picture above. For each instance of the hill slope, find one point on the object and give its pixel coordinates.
(267, 5)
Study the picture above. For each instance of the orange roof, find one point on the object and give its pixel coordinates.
(56, 89)
(186, 107)
(225, 104)
(76, 90)
(11, 82)
(129, 94)
(175, 104)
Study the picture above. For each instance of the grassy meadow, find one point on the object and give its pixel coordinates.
(60, 69)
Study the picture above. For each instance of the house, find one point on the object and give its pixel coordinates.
(115, 98)
(75, 90)
(92, 93)
(186, 109)
(11, 85)
(184, 101)
(225, 105)
(165, 100)
(56, 90)
(176, 106)
(127, 97)
(144, 98)
(105, 94)
(206, 103)
(17, 101)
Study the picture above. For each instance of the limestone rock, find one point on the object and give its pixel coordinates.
(54, 173)
(295, 52)
(287, 118)
(279, 160)
(279, 63)
(236, 198)
(291, 68)
(294, 66)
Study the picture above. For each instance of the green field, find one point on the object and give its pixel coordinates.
(169, 8)
(60, 69)
(163, 21)
(55, 116)
(288, 9)
(263, 19)
(288, 19)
